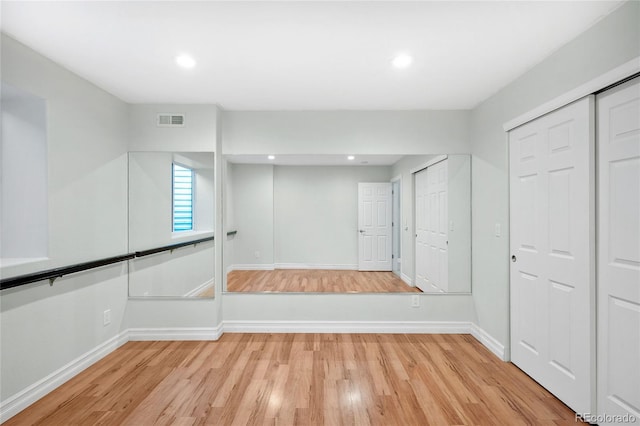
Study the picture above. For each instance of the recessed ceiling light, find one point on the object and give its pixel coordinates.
(402, 60)
(185, 61)
(271, 157)
(351, 157)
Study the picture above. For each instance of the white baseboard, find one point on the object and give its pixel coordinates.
(329, 266)
(18, 402)
(397, 327)
(175, 333)
(489, 342)
(202, 287)
(406, 278)
(251, 267)
(272, 266)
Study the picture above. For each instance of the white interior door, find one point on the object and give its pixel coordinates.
(431, 248)
(619, 251)
(552, 269)
(374, 226)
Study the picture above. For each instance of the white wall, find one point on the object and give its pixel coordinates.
(316, 213)
(252, 214)
(200, 134)
(24, 230)
(346, 307)
(205, 194)
(610, 43)
(346, 132)
(197, 135)
(179, 273)
(459, 234)
(150, 199)
(175, 273)
(228, 202)
(43, 327)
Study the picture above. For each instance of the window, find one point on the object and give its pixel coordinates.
(182, 195)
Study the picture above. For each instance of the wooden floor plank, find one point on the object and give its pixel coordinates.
(305, 379)
(317, 281)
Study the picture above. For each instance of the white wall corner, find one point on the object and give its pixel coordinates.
(175, 333)
(21, 400)
(489, 342)
(406, 278)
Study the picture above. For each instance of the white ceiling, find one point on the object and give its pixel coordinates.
(301, 55)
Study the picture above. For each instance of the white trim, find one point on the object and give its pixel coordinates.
(336, 266)
(398, 179)
(397, 327)
(21, 400)
(613, 76)
(434, 160)
(175, 333)
(199, 289)
(406, 278)
(252, 267)
(489, 342)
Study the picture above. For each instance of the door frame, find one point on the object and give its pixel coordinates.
(397, 227)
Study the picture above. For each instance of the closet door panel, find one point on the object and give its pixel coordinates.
(619, 251)
(552, 244)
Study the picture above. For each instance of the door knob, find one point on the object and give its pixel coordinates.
(513, 258)
(362, 231)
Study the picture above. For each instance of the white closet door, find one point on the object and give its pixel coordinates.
(422, 250)
(432, 260)
(552, 287)
(619, 251)
(437, 231)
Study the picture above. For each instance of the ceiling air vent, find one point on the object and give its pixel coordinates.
(170, 120)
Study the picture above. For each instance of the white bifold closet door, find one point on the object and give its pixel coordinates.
(552, 246)
(619, 251)
(431, 248)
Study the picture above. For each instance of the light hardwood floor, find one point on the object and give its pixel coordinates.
(303, 379)
(316, 280)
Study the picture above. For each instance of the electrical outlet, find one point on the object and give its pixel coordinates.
(106, 317)
(257, 254)
(415, 301)
(498, 230)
